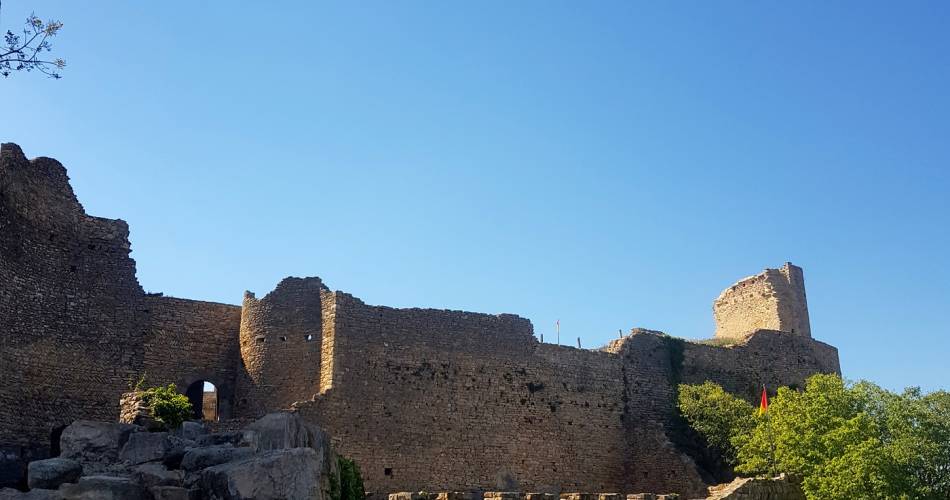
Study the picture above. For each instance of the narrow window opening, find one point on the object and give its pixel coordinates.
(260, 340)
(283, 339)
(388, 471)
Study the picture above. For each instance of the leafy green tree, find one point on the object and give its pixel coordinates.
(918, 441)
(855, 441)
(717, 415)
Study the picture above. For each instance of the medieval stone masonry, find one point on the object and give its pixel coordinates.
(423, 399)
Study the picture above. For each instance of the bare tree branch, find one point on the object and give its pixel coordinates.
(21, 53)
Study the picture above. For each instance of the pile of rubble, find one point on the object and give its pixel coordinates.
(277, 456)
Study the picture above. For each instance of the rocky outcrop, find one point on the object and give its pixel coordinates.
(288, 473)
(49, 474)
(94, 443)
(277, 457)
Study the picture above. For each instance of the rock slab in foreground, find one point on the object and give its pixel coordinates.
(104, 488)
(272, 475)
(95, 442)
(50, 473)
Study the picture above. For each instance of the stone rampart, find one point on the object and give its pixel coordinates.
(421, 398)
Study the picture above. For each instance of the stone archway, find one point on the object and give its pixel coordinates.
(204, 396)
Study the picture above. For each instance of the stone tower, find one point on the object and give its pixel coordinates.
(771, 300)
(280, 342)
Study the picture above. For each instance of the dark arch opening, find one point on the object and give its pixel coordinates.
(54, 449)
(203, 396)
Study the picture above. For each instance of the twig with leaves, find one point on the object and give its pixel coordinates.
(26, 52)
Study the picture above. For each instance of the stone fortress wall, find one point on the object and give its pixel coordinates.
(421, 398)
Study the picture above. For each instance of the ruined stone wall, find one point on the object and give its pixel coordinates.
(448, 399)
(769, 358)
(651, 364)
(71, 320)
(421, 398)
(75, 326)
(772, 300)
(280, 344)
(192, 341)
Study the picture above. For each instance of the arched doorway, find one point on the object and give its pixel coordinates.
(204, 400)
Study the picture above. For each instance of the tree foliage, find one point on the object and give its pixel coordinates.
(347, 484)
(29, 50)
(717, 415)
(845, 440)
(168, 405)
(351, 481)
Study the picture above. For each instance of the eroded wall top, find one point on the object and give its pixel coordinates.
(771, 300)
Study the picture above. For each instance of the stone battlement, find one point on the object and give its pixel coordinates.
(420, 398)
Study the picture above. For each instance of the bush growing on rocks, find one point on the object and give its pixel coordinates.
(168, 405)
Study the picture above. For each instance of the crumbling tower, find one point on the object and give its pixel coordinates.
(280, 340)
(771, 300)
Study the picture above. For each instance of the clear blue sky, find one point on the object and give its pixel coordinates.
(610, 164)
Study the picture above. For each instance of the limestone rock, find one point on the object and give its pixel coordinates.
(220, 438)
(154, 474)
(276, 431)
(104, 488)
(37, 494)
(278, 474)
(50, 473)
(173, 493)
(95, 442)
(191, 430)
(145, 447)
(199, 458)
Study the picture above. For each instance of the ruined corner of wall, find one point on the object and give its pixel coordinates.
(771, 300)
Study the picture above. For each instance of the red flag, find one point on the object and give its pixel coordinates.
(764, 405)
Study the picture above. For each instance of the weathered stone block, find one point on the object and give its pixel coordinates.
(503, 495)
(104, 488)
(95, 442)
(50, 473)
(155, 474)
(278, 474)
(173, 493)
(145, 447)
(36, 494)
(199, 458)
(578, 496)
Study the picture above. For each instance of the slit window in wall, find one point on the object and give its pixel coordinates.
(308, 337)
(388, 471)
(260, 340)
(283, 339)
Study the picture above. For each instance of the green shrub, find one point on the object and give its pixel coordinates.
(351, 481)
(855, 441)
(168, 405)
